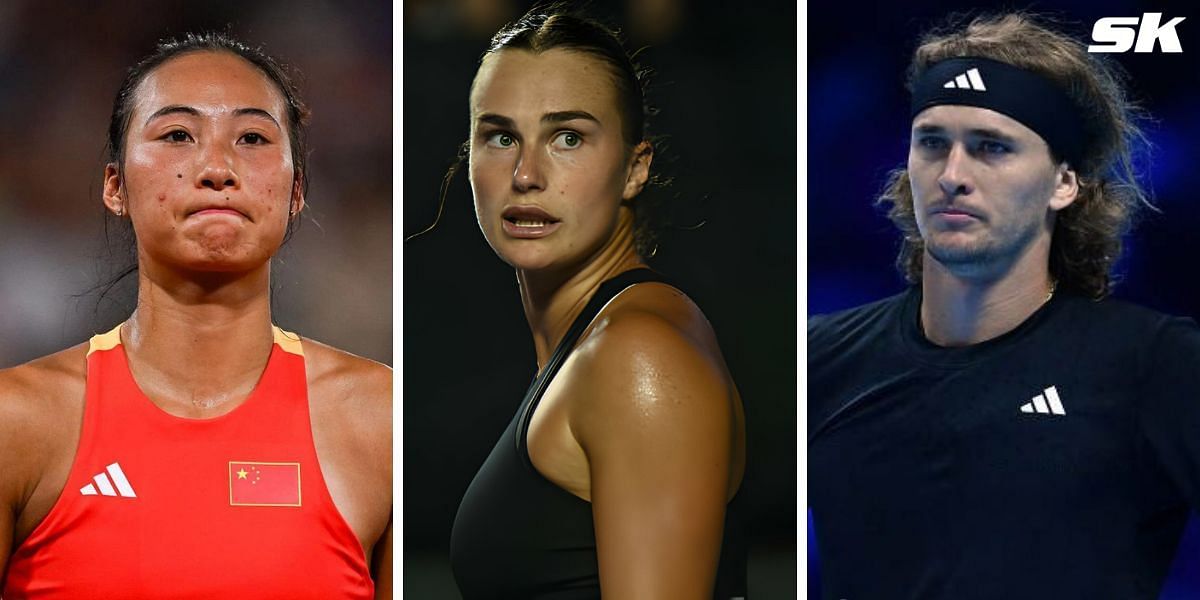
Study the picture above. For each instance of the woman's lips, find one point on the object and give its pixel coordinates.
(218, 211)
(528, 222)
(529, 228)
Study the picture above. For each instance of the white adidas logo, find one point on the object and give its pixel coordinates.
(106, 487)
(971, 80)
(1045, 403)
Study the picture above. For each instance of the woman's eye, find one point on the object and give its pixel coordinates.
(501, 140)
(254, 138)
(568, 140)
(178, 135)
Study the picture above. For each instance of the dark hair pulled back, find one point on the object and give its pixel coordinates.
(123, 104)
(558, 26)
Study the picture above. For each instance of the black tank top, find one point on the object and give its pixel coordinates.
(518, 535)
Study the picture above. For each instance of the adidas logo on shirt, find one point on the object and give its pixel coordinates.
(105, 485)
(971, 80)
(1045, 403)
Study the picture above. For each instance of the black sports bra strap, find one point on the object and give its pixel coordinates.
(606, 292)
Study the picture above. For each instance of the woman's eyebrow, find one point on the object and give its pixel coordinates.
(172, 109)
(257, 112)
(497, 120)
(568, 115)
(551, 117)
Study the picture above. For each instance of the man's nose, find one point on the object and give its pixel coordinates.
(955, 178)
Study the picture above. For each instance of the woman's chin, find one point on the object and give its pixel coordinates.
(524, 257)
(218, 262)
(527, 263)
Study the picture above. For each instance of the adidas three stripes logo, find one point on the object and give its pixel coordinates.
(971, 80)
(1046, 403)
(105, 486)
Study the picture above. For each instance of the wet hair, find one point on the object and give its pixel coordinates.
(1086, 241)
(557, 26)
(118, 126)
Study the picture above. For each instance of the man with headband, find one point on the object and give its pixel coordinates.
(1003, 429)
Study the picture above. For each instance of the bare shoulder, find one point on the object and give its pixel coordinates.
(654, 324)
(41, 389)
(353, 389)
(41, 407)
(367, 379)
(652, 353)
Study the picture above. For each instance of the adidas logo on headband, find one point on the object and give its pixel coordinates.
(1034, 100)
(970, 80)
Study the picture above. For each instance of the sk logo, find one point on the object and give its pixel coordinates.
(1119, 34)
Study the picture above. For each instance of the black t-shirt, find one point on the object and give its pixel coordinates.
(1059, 460)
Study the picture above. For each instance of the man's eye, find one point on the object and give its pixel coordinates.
(501, 140)
(990, 147)
(568, 140)
(932, 143)
(178, 135)
(253, 138)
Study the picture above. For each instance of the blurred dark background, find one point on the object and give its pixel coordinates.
(858, 127)
(726, 86)
(61, 63)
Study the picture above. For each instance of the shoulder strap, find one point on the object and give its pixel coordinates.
(604, 294)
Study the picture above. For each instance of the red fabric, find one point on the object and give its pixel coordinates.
(262, 484)
(174, 528)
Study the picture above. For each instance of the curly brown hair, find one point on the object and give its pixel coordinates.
(1086, 240)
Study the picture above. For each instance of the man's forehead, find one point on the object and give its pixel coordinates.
(957, 117)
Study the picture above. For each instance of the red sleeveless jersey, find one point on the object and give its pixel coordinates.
(159, 506)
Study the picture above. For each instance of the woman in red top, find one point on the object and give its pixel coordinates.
(196, 450)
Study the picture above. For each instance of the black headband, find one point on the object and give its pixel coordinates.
(1035, 101)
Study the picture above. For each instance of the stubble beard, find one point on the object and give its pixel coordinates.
(991, 254)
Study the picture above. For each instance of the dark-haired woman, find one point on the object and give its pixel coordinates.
(615, 472)
(196, 450)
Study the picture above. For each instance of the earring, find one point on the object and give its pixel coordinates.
(119, 211)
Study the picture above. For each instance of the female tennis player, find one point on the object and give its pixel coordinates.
(615, 472)
(196, 450)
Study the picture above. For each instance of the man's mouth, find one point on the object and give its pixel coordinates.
(954, 211)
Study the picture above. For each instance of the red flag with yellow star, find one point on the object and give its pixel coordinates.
(264, 483)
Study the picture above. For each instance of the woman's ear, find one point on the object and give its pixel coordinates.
(638, 170)
(113, 194)
(296, 203)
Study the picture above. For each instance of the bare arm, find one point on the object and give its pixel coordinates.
(32, 429)
(352, 433)
(382, 566)
(658, 429)
(7, 517)
(15, 452)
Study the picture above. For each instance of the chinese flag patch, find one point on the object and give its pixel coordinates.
(264, 483)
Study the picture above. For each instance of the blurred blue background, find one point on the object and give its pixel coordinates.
(858, 131)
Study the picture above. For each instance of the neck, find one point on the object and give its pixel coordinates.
(959, 311)
(199, 341)
(553, 300)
